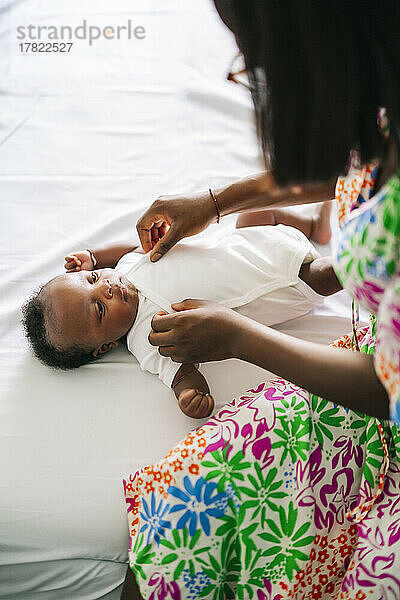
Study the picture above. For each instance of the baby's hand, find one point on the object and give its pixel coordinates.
(196, 404)
(78, 261)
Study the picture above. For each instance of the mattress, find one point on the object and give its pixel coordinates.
(88, 139)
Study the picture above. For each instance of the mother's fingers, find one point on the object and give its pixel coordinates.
(164, 338)
(163, 321)
(146, 226)
(171, 352)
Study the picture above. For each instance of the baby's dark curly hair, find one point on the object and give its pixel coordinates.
(35, 311)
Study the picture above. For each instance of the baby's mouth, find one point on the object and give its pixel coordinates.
(124, 291)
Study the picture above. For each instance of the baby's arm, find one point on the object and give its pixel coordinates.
(192, 392)
(107, 256)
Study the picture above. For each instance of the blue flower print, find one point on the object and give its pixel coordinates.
(198, 502)
(395, 413)
(154, 522)
(195, 584)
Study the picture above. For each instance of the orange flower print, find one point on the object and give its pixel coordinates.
(149, 487)
(323, 556)
(333, 569)
(157, 476)
(201, 442)
(184, 453)
(194, 469)
(324, 541)
(345, 551)
(353, 529)
(167, 478)
(177, 465)
(323, 579)
(329, 588)
(299, 575)
(189, 440)
(316, 593)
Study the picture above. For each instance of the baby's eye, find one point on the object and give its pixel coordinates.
(94, 276)
(101, 310)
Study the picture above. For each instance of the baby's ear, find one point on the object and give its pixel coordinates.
(106, 347)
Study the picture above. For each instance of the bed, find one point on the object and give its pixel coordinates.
(87, 140)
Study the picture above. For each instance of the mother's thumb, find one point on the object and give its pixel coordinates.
(187, 304)
(166, 243)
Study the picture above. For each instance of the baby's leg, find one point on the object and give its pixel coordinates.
(315, 227)
(320, 276)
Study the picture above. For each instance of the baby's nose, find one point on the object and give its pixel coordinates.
(108, 288)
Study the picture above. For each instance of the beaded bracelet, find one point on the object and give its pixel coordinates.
(92, 256)
(216, 205)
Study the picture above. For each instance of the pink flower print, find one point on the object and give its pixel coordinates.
(163, 589)
(309, 474)
(335, 496)
(394, 529)
(259, 441)
(347, 451)
(368, 294)
(267, 595)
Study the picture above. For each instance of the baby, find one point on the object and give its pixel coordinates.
(108, 295)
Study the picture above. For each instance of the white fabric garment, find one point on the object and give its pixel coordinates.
(254, 268)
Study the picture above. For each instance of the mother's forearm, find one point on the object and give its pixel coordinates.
(261, 191)
(342, 376)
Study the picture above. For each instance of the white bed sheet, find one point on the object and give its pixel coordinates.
(87, 140)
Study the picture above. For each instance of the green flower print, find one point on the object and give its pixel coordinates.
(289, 410)
(183, 548)
(323, 420)
(251, 577)
(264, 494)
(291, 442)
(285, 541)
(234, 524)
(222, 571)
(391, 213)
(140, 556)
(226, 471)
(374, 452)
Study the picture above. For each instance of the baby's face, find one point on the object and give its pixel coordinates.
(91, 309)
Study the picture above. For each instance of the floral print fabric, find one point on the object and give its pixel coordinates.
(258, 504)
(368, 265)
(283, 494)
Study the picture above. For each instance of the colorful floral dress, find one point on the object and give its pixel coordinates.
(283, 494)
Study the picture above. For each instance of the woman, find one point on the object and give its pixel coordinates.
(289, 493)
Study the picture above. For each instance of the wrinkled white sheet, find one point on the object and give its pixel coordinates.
(87, 140)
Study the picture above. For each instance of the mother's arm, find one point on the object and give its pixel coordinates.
(172, 218)
(202, 331)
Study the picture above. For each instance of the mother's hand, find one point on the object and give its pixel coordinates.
(172, 218)
(199, 331)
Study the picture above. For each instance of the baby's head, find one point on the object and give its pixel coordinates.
(77, 317)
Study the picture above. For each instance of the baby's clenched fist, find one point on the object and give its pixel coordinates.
(78, 261)
(196, 404)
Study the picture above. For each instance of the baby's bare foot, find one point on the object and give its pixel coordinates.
(320, 224)
(196, 404)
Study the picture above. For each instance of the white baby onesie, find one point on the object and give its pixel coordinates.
(253, 270)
